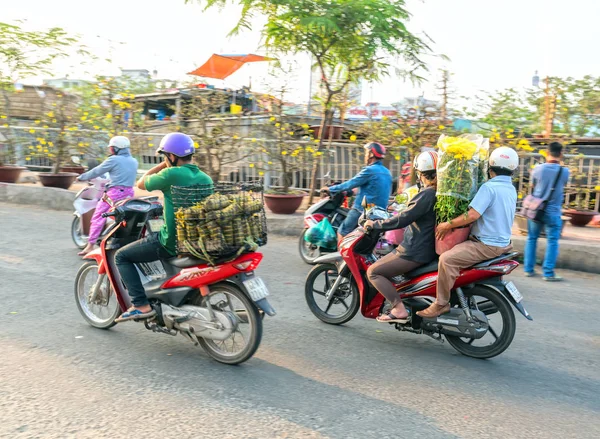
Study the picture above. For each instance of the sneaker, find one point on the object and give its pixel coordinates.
(554, 278)
(530, 274)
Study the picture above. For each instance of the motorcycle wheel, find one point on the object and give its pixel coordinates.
(308, 252)
(244, 342)
(346, 296)
(497, 309)
(103, 313)
(79, 239)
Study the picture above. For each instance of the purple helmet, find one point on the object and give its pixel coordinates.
(178, 144)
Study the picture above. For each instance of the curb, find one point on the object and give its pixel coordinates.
(48, 197)
(573, 255)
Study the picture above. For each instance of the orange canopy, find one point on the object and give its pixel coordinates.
(221, 66)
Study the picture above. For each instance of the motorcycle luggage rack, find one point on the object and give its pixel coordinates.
(221, 221)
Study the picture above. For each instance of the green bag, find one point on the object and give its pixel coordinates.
(322, 234)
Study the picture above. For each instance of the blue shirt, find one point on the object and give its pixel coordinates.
(543, 177)
(496, 202)
(374, 182)
(122, 169)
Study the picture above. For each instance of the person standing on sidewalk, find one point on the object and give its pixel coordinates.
(548, 182)
(122, 170)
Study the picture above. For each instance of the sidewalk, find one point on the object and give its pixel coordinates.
(579, 246)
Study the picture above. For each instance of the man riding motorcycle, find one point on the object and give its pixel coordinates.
(493, 212)
(418, 246)
(374, 182)
(176, 170)
(122, 170)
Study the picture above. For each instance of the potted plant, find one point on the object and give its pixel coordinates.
(53, 141)
(459, 175)
(579, 210)
(22, 53)
(285, 151)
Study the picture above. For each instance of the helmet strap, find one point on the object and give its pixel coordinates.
(173, 163)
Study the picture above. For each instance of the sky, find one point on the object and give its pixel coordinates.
(492, 45)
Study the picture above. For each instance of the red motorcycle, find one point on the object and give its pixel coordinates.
(480, 324)
(219, 307)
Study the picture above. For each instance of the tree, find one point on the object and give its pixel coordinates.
(292, 146)
(25, 54)
(218, 142)
(57, 131)
(348, 39)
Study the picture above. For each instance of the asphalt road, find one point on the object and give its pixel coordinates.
(60, 377)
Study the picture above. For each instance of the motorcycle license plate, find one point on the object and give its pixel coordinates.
(514, 292)
(256, 288)
(155, 224)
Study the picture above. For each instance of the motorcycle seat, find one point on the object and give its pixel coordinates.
(185, 262)
(424, 269)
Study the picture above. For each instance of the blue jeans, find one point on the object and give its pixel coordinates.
(553, 225)
(350, 223)
(147, 249)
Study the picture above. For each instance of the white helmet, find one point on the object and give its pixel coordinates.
(504, 158)
(119, 142)
(426, 161)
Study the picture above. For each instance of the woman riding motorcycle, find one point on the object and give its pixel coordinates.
(418, 246)
(122, 169)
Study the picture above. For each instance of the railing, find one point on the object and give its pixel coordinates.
(582, 188)
(339, 162)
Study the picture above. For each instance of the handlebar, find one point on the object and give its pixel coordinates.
(108, 214)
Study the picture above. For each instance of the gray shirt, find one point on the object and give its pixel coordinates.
(121, 168)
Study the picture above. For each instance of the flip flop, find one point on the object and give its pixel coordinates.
(392, 318)
(135, 314)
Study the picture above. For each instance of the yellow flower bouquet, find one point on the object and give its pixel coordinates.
(461, 169)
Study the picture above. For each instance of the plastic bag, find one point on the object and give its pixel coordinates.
(322, 234)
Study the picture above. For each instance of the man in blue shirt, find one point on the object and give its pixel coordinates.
(493, 212)
(543, 179)
(374, 182)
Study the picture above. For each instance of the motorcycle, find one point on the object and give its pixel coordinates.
(85, 204)
(480, 296)
(218, 307)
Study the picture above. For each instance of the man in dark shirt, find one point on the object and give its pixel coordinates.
(418, 246)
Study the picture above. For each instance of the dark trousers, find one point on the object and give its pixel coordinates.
(145, 250)
(383, 270)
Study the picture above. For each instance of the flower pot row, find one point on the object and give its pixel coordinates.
(63, 180)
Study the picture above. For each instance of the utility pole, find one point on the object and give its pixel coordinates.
(444, 88)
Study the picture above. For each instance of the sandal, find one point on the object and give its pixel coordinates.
(135, 314)
(391, 318)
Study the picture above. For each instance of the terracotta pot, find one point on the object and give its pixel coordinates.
(10, 174)
(284, 203)
(62, 180)
(580, 218)
(456, 236)
(76, 169)
(521, 223)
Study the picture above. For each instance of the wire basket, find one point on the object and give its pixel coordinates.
(219, 222)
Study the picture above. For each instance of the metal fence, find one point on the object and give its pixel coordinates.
(583, 188)
(338, 162)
